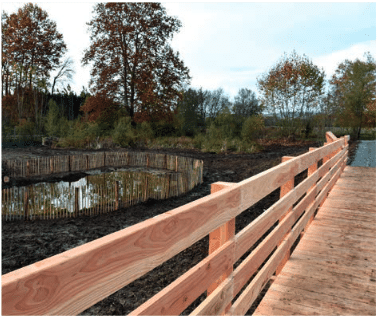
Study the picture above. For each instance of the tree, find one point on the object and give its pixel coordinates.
(355, 84)
(33, 42)
(246, 103)
(291, 90)
(216, 102)
(132, 62)
(100, 109)
(191, 111)
(65, 72)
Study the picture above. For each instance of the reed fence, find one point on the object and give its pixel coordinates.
(73, 281)
(101, 193)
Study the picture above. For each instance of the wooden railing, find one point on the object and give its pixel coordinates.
(72, 281)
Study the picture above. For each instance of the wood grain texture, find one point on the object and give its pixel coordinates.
(332, 269)
(219, 299)
(176, 297)
(257, 187)
(247, 237)
(78, 278)
(219, 237)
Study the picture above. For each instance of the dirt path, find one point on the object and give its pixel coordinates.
(24, 243)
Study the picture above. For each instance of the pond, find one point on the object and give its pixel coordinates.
(95, 193)
(365, 155)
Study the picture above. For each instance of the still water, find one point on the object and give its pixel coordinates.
(93, 194)
(365, 155)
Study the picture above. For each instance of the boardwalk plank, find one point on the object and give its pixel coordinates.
(346, 193)
(348, 214)
(333, 268)
(300, 266)
(366, 228)
(342, 254)
(352, 264)
(344, 290)
(333, 240)
(288, 308)
(321, 302)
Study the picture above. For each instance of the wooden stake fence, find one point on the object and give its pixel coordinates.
(49, 204)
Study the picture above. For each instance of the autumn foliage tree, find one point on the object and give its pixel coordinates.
(31, 49)
(354, 84)
(31, 41)
(291, 90)
(132, 61)
(100, 109)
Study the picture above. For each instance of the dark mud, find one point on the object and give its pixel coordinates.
(24, 243)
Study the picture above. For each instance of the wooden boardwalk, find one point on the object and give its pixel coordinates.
(332, 271)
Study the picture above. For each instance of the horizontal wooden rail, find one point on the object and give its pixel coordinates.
(72, 281)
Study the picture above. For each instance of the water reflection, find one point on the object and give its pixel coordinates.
(96, 193)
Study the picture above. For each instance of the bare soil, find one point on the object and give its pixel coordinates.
(25, 242)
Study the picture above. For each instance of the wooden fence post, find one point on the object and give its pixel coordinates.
(27, 168)
(168, 188)
(284, 189)
(146, 188)
(176, 163)
(311, 170)
(51, 165)
(116, 195)
(76, 202)
(26, 203)
(219, 237)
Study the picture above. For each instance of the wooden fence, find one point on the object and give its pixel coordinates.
(47, 200)
(20, 168)
(72, 281)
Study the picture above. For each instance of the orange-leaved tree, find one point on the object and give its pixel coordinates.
(291, 90)
(132, 61)
(100, 109)
(31, 48)
(31, 41)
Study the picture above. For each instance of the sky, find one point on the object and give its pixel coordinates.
(229, 45)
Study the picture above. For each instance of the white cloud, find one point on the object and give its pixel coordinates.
(331, 61)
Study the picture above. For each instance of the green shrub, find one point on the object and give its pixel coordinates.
(52, 119)
(252, 128)
(144, 133)
(199, 141)
(227, 124)
(124, 134)
(26, 130)
(213, 140)
(78, 135)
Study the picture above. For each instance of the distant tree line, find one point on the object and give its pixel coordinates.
(137, 79)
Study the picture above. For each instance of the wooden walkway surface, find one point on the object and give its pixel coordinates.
(332, 271)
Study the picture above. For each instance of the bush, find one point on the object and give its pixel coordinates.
(213, 140)
(252, 128)
(199, 141)
(25, 129)
(164, 129)
(227, 124)
(144, 133)
(124, 134)
(52, 119)
(79, 135)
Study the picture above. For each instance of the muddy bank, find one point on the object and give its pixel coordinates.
(24, 243)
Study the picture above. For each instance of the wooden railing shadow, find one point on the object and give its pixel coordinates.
(72, 281)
